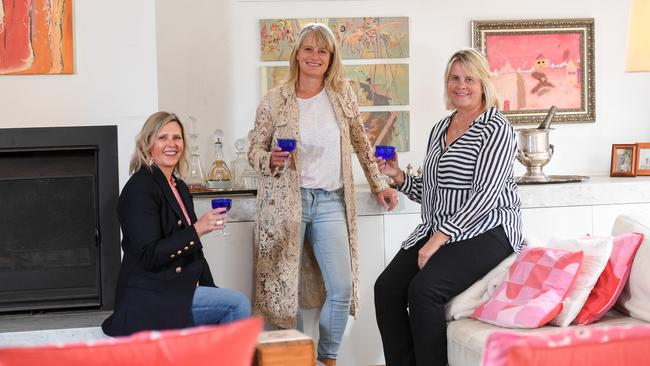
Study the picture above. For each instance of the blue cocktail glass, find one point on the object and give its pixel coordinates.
(287, 145)
(385, 152)
(222, 203)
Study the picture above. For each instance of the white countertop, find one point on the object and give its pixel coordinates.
(595, 191)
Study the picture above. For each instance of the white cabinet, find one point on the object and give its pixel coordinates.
(361, 342)
(605, 215)
(539, 224)
(231, 257)
(396, 229)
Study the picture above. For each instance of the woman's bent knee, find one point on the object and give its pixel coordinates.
(242, 308)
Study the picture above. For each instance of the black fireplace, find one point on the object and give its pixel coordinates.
(59, 239)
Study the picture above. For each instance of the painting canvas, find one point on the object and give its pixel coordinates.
(36, 37)
(537, 64)
(387, 128)
(379, 84)
(374, 85)
(358, 38)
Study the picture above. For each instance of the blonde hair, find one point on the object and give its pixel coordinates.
(475, 63)
(325, 39)
(146, 138)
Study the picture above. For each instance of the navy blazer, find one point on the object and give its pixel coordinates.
(163, 257)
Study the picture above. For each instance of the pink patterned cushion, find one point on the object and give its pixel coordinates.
(532, 294)
(612, 280)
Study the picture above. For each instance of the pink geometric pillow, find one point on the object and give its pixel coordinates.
(612, 280)
(532, 295)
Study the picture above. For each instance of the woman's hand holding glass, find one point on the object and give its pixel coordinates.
(391, 169)
(222, 204)
(280, 154)
(278, 157)
(210, 221)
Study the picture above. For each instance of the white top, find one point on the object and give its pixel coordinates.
(320, 144)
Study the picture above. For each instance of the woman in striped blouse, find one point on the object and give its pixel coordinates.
(470, 216)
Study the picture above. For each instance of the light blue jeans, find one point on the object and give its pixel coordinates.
(213, 305)
(324, 225)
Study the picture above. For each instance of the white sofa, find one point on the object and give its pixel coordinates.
(467, 337)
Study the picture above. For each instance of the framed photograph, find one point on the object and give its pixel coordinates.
(643, 158)
(537, 64)
(624, 157)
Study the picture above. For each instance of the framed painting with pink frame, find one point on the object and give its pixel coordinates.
(536, 64)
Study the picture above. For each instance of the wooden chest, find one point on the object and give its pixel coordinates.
(286, 347)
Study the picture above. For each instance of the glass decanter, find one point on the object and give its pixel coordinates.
(245, 176)
(195, 179)
(219, 176)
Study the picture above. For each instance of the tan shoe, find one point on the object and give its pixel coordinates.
(327, 361)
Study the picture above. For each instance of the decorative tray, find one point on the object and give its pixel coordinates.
(548, 179)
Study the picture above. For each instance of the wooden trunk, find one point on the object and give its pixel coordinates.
(286, 347)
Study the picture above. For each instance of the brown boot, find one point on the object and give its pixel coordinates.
(327, 361)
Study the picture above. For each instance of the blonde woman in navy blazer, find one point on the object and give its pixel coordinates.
(164, 280)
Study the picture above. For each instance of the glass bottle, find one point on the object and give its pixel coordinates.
(219, 176)
(245, 176)
(196, 179)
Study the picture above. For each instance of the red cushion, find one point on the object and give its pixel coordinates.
(612, 280)
(578, 346)
(231, 344)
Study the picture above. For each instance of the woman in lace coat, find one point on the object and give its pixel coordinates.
(308, 195)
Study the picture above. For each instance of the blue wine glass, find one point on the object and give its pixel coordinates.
(287, 145)
(385, 152)
(222, 203)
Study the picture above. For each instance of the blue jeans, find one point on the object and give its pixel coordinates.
(213, 305)
(324, 225)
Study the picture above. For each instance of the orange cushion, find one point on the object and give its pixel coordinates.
(231, 344)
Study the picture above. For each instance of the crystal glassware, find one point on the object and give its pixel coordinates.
(222, 203)
(244, 176)
(196, 179)
(219, 177)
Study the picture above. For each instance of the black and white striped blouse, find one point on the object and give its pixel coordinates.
(468, 188)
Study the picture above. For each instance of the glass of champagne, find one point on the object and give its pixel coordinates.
(385, 152)
(287, 145)
(222, 203)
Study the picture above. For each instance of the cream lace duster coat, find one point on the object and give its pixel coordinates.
(277, 225)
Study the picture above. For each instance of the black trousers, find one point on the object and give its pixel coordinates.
(410, 303)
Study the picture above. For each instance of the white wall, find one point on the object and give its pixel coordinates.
(209, 66)
(114, 81)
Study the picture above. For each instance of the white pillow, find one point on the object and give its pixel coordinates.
(635, 298)
(596, 255)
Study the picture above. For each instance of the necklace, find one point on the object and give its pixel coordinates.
(458, 130)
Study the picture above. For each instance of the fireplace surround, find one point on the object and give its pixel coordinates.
(59, 244)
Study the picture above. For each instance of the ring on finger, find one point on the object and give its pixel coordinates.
(219, 222)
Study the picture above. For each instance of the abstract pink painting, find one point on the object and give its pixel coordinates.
(539, 64)
(36, 37)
